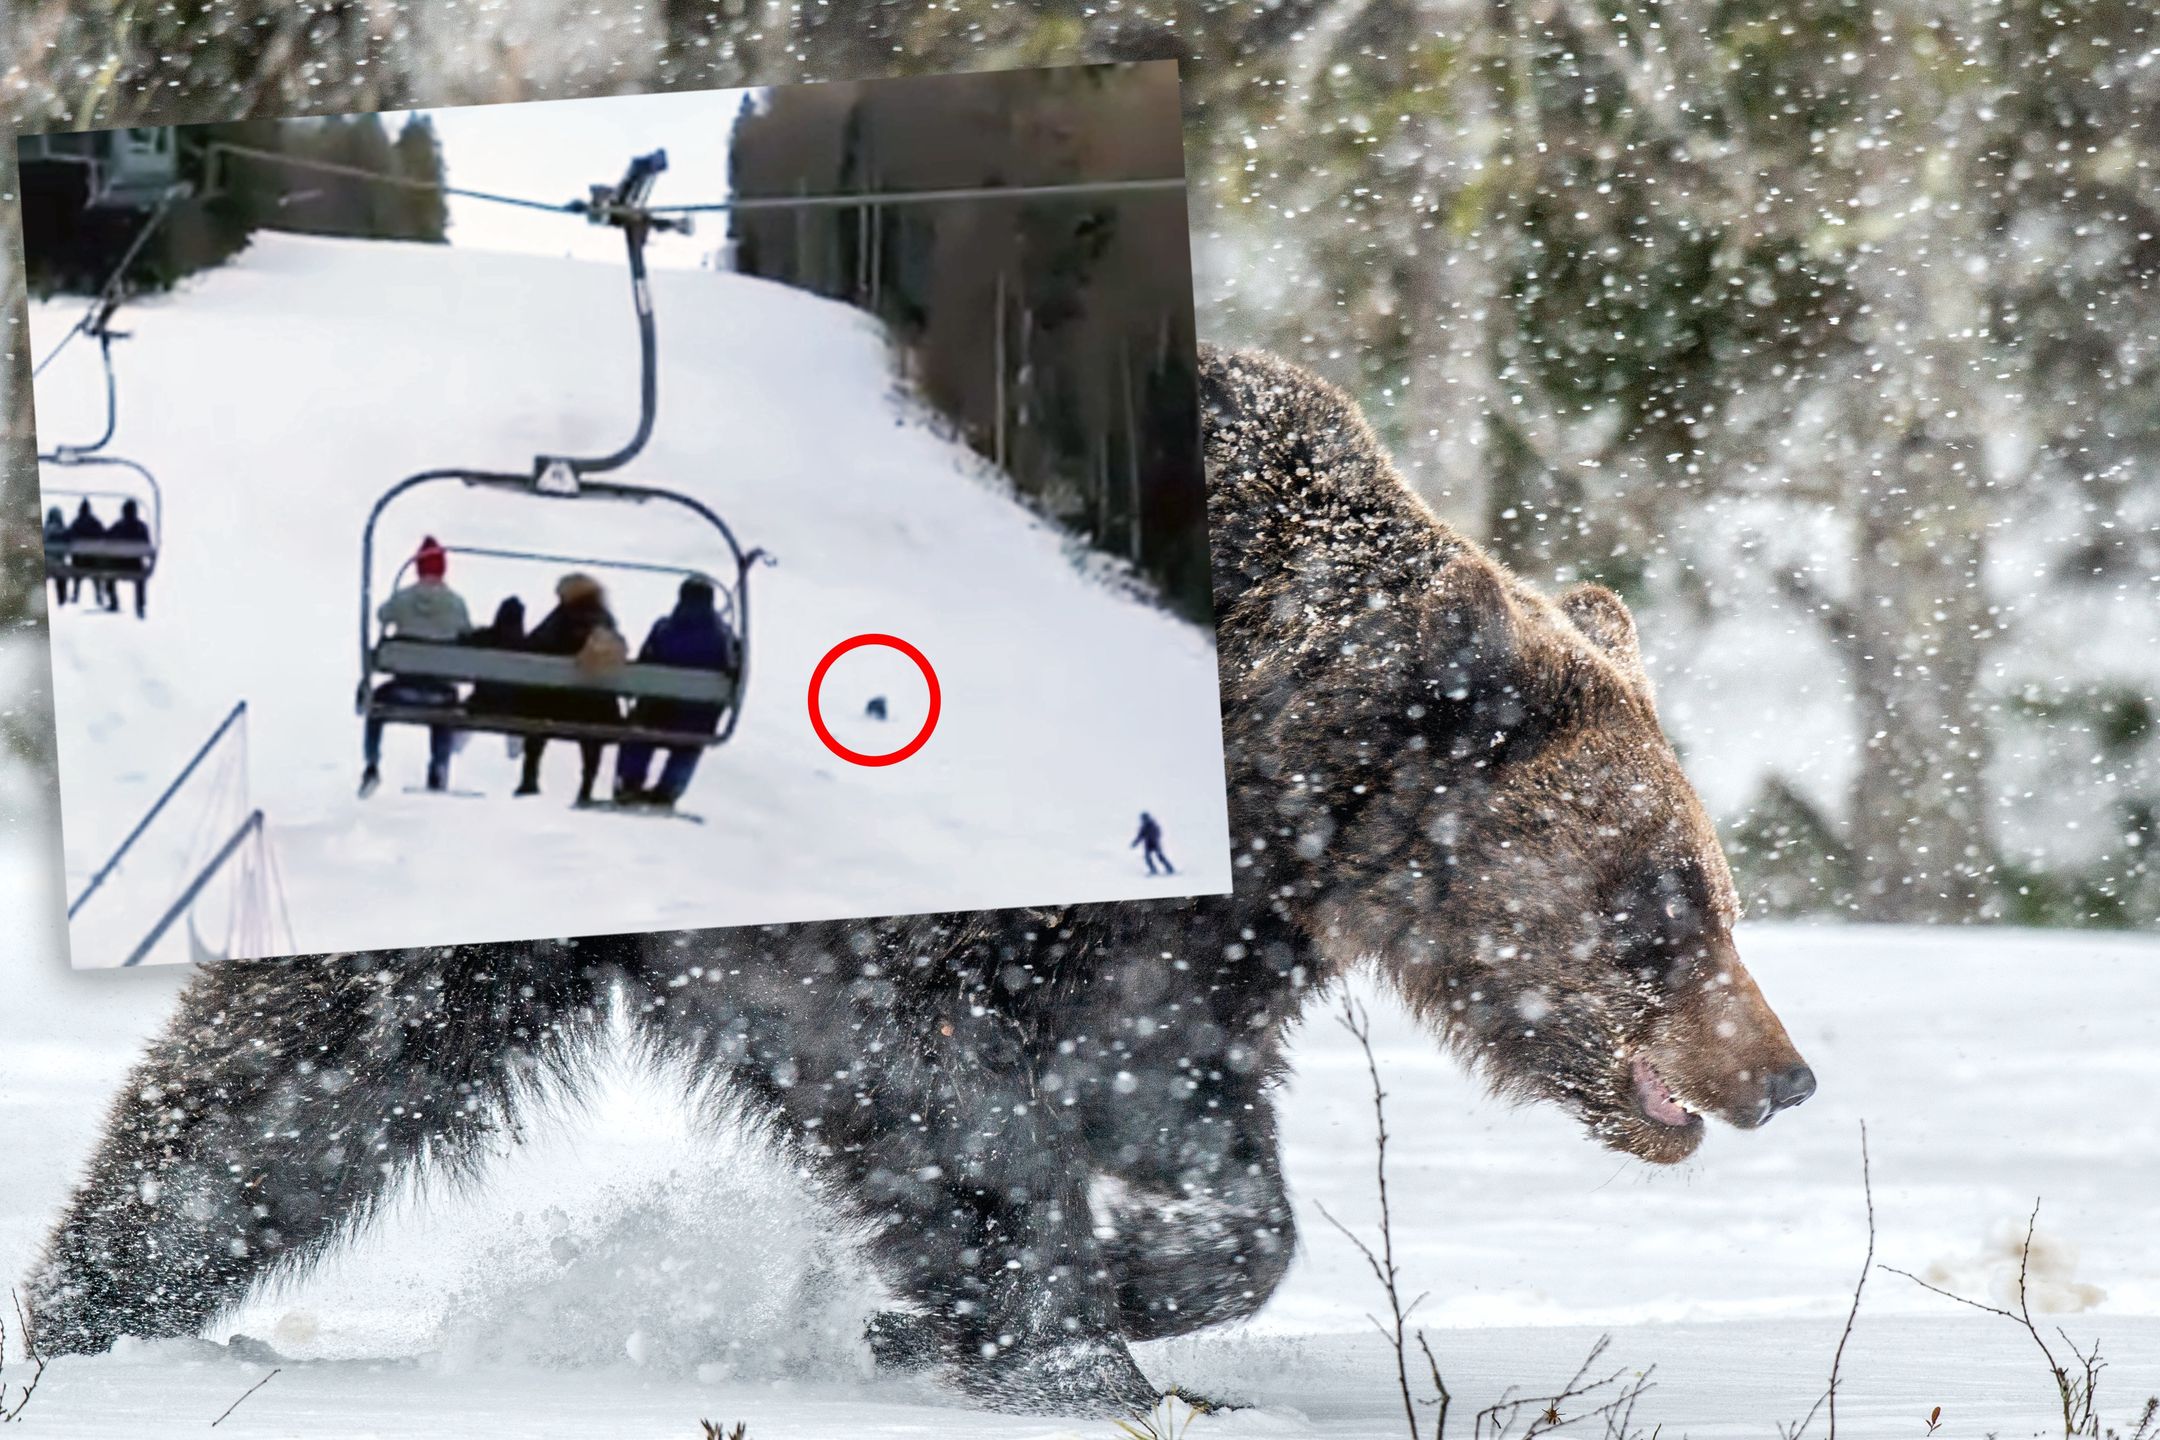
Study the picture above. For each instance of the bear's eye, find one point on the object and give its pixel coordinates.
(1657, 916)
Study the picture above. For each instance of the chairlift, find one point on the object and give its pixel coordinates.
(570, 478)
(102, 559)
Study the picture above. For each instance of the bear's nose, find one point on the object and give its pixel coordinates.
(1786, 1089)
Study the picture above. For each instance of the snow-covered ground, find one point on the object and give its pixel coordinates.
(625, 1274)
(277, 397)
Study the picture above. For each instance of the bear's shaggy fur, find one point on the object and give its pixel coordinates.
(1055, 1128)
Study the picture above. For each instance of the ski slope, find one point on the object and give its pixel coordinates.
(277, 397)
(627, 1272)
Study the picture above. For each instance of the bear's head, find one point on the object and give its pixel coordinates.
(1442, 771)
(1583, 952)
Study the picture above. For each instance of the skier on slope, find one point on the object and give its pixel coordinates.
(129, 527)
(1151, 836)
(427, 609)
(693, 638)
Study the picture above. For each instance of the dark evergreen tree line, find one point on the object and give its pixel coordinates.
(1057, 332)
(71, 246)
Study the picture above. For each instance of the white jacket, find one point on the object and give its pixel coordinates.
(429, 610)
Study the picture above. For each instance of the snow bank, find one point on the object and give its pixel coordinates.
(628, 1270)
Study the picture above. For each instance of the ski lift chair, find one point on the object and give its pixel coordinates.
(104, 559)
(461, 664)
(458, 666)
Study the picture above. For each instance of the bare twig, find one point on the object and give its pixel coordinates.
(9, 1414)
(1548, 1412)
(1161, 1423)
(1837, 1361)
(1396, 1329)
(1440, 1388)
(244, 1395)
(2077, 1394)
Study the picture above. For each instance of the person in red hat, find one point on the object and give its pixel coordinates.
(427, 609)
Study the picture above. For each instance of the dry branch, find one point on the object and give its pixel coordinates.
(244, 1395)
(1396, 1329)
(2078, 1393)
(10, 1414)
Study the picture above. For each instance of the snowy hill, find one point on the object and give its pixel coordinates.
(276, 398)
(627, 1271)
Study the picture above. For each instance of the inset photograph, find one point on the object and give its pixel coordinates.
(597, 516)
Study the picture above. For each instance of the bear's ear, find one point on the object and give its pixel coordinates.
(1603, 618)
(1473, 630)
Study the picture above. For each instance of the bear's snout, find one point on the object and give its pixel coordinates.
(1781, 1090)
(1731, 1055)
(1790, 1088)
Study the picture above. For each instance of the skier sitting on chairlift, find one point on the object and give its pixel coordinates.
(129, 527)
(693, 638)
(56, 538)
(581, 626)
(427, 609)
(492, 697)
(86, 526)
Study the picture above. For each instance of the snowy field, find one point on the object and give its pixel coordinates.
(277, 397)
(624, 1275)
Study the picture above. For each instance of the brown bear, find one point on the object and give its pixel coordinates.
(1055, 1128)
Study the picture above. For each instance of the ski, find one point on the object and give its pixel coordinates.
(651, 812)
(452, 794)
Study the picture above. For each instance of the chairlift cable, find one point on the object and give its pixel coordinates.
(331, 167)
(772, 202)
(916, 197)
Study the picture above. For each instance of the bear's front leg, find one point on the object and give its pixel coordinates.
(922, 1120)
(283, 1100)
(1011, 1298)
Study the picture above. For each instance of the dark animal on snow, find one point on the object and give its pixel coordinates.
(1056, 1127)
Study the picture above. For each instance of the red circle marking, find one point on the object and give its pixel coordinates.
(817, 683)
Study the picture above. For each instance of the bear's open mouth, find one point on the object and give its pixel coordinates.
(1656, 1100)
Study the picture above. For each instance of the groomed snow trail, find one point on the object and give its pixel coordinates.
(277, 397)
(626, 1272)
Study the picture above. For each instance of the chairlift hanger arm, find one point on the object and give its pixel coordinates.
(64, 454)
(623, 205)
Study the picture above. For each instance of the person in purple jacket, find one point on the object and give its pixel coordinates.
(692, 637)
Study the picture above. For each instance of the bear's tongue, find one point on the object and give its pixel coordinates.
(1656, 1097)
